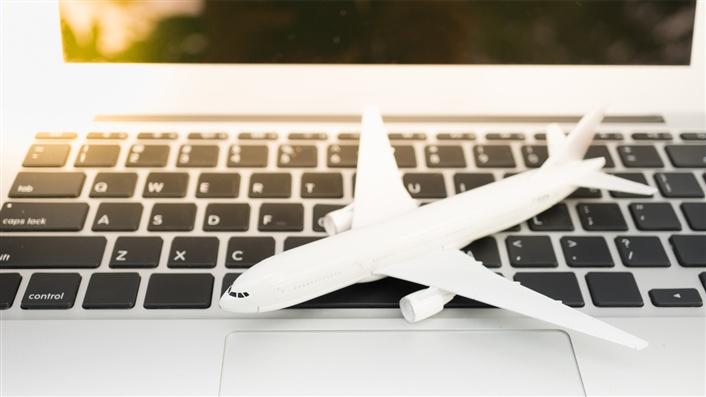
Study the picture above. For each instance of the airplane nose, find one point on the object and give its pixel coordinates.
(235, 300)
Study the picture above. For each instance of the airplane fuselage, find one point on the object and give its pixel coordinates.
(344, 259)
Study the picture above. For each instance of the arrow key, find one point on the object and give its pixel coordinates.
(676, 297)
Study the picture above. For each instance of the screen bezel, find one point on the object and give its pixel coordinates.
(346, 89)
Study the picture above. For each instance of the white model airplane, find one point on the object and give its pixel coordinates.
(385, 233)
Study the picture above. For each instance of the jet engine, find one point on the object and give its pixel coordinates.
(338, 221)
(424, 303)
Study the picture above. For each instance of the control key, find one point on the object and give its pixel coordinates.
(51, 291)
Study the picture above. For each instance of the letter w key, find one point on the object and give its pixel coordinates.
(166, 184)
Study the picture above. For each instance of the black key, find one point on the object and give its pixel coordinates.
(270, 185)
(308, 136)
(601, 217)
(113, 136)
(46, 155)
(198, 156)
(208, 136)
(484, 250)
(654, 216)
(425, 185)
(172, 217)
(583, 251)
(595, 151)
(281, 218)
(47, 184)
(534, 155)
(695, 214)
(445, 156)
(583, 192)
(342, 156)
(247, 251)
(228, 280)
(117, 217)
(676, 297)
(320, 210)
(505, 136)
(247, 156)
(112, 291)
(609, 136)
(693, 136)
(267, 136)
(51, 291)
(321, 185)
(349, 136)
(652, 136)
(493, 156)
(45, 217)
(291, 156)
(468, 181)
(97, 156)
(404, 156)
(50, 252)
(640, 156)
(689, 249)
(166, 184)
(702, 276)
(232, 217)
(556, 218)
(9, 284)
(179, 291)
(56, 135)
(678, 184)
(114, 185)
(298, 241)
(641, 251)
(407, 136)
(170, 136)
(638, 177)
(689, 156)
(456, 136)
(148, 156)
(385, 293)
(136, 252)
(530, 251)
(561, 286)
(613, 289)
(218, 185)
(193, 252)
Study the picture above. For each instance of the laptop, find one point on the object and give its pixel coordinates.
(153, 151)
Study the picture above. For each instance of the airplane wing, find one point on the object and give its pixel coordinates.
(456, 272)
(379, 192)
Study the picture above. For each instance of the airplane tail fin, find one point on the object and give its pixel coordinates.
(570, 151)
(568, 148)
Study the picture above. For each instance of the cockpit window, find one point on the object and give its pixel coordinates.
(238, 294)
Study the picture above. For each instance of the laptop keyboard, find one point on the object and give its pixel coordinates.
(158, 222)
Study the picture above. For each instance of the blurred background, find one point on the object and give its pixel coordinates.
(611, 32)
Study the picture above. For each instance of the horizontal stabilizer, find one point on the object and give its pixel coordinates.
(600, 180)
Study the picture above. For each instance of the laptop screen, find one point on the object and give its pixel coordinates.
(620, 32)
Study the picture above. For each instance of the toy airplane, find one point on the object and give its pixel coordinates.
(385, 233)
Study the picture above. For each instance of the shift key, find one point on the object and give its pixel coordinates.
(31, 217)
(51, 252)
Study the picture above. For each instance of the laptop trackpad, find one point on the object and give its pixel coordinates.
(399, 362)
